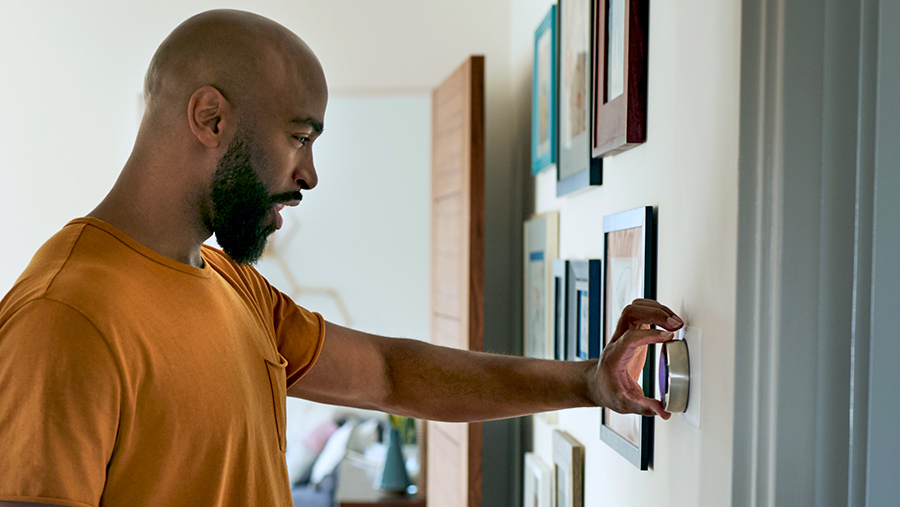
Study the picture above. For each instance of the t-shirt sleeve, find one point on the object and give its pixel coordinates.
(299, 333)
(60, 393)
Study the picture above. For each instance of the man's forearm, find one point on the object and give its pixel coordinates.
(440, 383)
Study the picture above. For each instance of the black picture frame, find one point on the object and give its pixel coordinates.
(629, 244)
(584, 305)
(560, 313)
(576, 169)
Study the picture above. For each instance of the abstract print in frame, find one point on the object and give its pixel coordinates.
(541, 248)
(576, 169)
(538, 482)
(544, 115)
(629, 252)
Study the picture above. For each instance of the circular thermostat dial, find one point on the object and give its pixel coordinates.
(674, 376)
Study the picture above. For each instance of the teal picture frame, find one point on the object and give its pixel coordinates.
(544, 100)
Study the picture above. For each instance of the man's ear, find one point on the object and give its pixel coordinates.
(208, 112)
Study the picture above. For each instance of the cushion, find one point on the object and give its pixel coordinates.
(333, 453)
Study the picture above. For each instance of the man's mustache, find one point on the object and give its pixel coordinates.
(287, 197)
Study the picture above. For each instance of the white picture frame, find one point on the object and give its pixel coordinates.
(539, 488)
(568, 470)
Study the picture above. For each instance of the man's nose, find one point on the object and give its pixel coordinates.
(306, 177)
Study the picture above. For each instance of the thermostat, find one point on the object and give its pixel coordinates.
(674, 376)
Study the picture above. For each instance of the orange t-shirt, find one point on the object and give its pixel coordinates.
(127, 378)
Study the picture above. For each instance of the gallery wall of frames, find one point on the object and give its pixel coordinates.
(589, 101)
(609, 227)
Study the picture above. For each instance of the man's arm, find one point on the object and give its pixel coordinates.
(414, 378)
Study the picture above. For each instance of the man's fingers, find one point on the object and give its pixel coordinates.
(641, 337)
(644, 406)
(644, 312)
(653, 407)
(657, 315)
(655, 304)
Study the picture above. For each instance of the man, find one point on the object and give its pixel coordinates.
(138, 367)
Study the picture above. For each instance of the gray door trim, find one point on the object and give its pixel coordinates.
(803, 264)
(862, 258)
(883, 486)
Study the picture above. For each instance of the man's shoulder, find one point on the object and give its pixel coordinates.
(50, 259)
(76, 265)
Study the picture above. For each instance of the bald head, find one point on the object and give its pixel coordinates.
(234, 102)
(248, 58)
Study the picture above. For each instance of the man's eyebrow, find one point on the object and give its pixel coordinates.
(312, 122)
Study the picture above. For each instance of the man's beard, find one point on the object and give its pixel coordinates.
(241, 204)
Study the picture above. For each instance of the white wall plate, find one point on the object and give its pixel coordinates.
(694, 338)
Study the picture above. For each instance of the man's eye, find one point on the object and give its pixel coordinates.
(302, 139)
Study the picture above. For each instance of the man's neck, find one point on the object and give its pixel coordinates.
(161, 219)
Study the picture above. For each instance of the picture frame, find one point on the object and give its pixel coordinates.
(576, 169)
(539, 487)
(619, 76)
(560, 310)
(541, 248)
(584, 305)
(568, 468)
(629, 240)
(544, 101)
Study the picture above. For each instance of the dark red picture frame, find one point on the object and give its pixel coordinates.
(620, 124)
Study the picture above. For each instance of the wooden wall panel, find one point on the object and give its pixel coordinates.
(448, 135)
(453, 451)
(449, 264)
(445, 331)
(446, 453)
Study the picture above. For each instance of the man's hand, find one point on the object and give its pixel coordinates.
(623, 358)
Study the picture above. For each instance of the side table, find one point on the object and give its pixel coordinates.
(356, 489)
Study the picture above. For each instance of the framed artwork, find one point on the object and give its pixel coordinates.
(568, 467)
(575, 169)
(538, 482)
(584, 300)
(560, 311)
(544, 134)
(619, 89)
(541, 240)
(629, 252)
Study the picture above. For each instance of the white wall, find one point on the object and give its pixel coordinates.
(363, 232)
(70, 80)
(688, 168)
